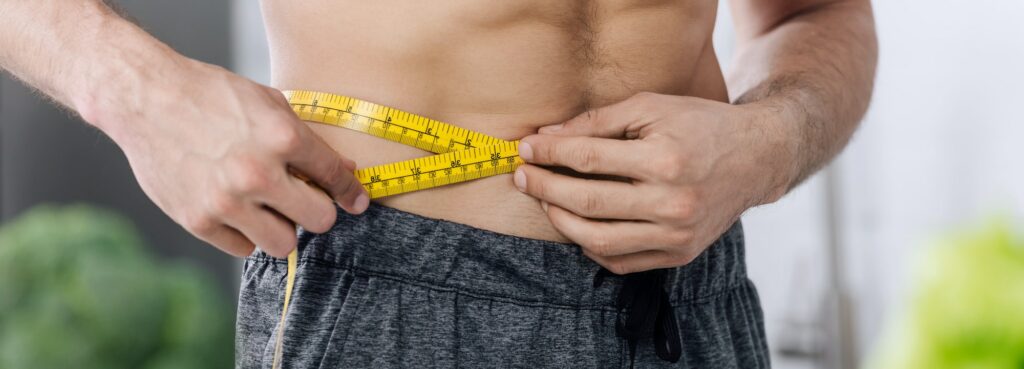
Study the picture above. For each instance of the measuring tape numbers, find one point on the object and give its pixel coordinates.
(461, 155)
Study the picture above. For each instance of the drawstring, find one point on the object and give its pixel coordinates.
(644, 311)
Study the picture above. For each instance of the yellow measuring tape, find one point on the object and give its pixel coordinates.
(463, 155)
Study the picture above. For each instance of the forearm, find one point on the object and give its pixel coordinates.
(814, 69)
(81, 54)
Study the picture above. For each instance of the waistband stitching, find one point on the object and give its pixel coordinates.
(676, 303)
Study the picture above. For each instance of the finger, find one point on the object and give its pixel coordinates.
(303, 204)
(591, 198)
(620, 120)
(634, 263)
(585, 154)
(269, 231)
(608, 238)
(229, 240)
(278, 96)
(349, 164)
(320, 163)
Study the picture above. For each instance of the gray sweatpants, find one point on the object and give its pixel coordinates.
(390, 289)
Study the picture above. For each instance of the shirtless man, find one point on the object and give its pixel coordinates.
(498, 271)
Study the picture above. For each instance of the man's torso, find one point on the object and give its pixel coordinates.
(500, 68)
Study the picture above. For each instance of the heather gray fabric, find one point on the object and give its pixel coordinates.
(390, 289)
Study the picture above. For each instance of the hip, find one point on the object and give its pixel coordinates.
(388, 286)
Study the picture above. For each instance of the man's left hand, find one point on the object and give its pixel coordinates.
(686, 167)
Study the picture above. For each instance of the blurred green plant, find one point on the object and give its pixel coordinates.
(967, 306)
(77, 290)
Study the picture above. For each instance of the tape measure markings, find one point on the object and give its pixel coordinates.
(306, 104)
(438, 170)
(382, 131)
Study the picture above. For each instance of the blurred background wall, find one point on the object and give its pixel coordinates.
(941, 145)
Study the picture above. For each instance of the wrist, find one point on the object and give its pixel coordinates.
(777, 142)
(125, 71)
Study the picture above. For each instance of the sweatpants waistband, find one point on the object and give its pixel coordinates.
(434, 253)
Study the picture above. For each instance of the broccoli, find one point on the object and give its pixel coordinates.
(78, 290)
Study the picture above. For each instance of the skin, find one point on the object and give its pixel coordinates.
(655, 157)
(214, 153)
(808, 70)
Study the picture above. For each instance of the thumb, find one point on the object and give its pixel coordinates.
(623, 119)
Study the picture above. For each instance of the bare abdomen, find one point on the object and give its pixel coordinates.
(500, 68)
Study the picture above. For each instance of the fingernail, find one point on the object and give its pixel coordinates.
(520, 179)
(551, 128)
(525, 151)
(362, 202)
(544, 205)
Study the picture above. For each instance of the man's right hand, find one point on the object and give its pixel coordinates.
(216, 151)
